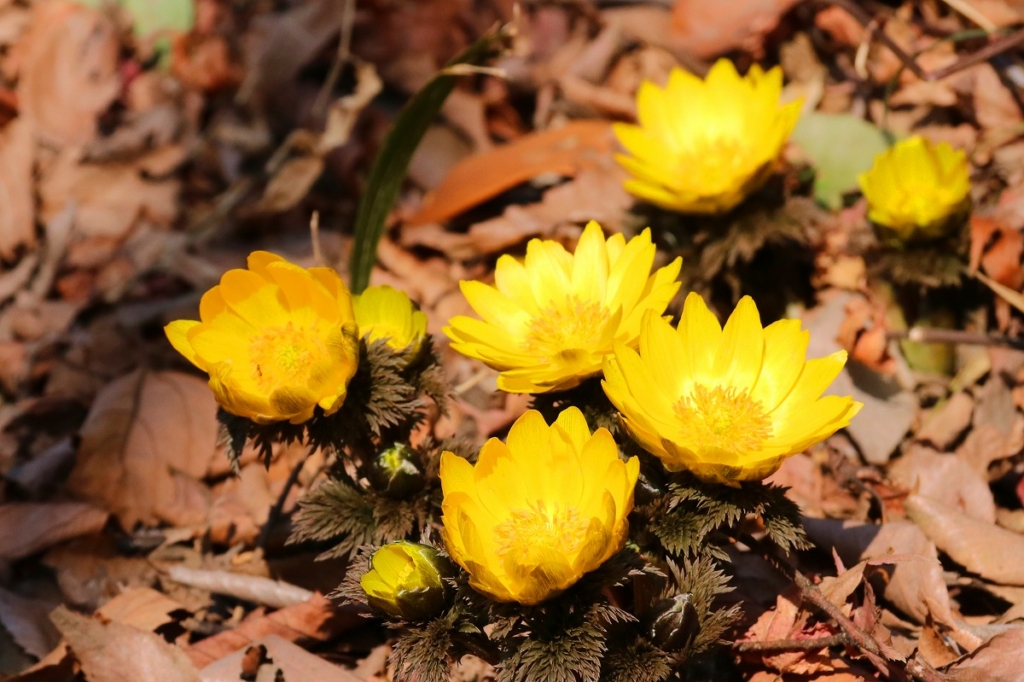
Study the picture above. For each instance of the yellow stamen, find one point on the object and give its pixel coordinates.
(283, 355)
(723, 419)
(561, 329)
(529, 534)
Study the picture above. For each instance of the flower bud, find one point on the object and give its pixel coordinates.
(405, 581)
(673, 623)
(397, 471)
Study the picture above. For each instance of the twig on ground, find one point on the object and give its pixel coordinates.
(930, 335)
(811, 644)
(993, 49)
(854, 636)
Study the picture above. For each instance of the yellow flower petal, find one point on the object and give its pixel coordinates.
(728, 405)
(535, 515)
(549, 322)
(917, 191)
(274, 340)
(702, 146)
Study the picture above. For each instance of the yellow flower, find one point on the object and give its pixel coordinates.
(549, 322)
(916, 190)
(532, 517)
(702, 146)
(729, 405)
(386, 313)
(404, 581)
(277, 340)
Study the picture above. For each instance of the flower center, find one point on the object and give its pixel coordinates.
(531, 534)
(722, 419)
(284, 356)
(562, 329)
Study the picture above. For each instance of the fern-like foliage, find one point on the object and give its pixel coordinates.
(697, 510)
(705, 583)
(638, 661)
(422, 654)
(336, 511)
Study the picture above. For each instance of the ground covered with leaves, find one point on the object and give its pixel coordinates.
(148, 147)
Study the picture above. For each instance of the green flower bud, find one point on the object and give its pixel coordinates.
(673, 623)
(397, 471)
(405, 581)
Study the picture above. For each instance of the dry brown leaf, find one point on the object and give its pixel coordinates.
(992, 552)
(946, 423)
(595, 194)
(147, 441)
(204, 62)
(141, 607)
(564, 151)
(707, 29)
(109, 197)
(317, 619)
(1001, 659)
(17, 203)
(987, 443)
(29, 527)
(91, 571)
(114, 652)
(863, 335)
(994, 106)
(290, 185)
(946, 479)
(286, 661)
(916, 588)
(26, 620)
(788, 621)
(69, 71)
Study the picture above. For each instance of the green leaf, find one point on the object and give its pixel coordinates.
(155, 16)
(841, 146)
(389, 168)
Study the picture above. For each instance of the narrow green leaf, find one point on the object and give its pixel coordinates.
(389, 168)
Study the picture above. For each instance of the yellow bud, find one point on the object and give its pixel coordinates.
(405, 581)
(916, 190)
(386, 313)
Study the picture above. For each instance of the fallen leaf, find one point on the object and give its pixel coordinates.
(317, 619)
(995, 107)
(946, 423)
(27, 622)
(286, 660)
(290, 184)
(91, 571)
(1001, 659)
(113, 652)
(916, 588)
(841, 146)
(141, 607)
(30, 527)
(948, 480)
(109, 197)
(708, 29)
(17, 203)
(992, 552)
(147, 441)
(69, 71)
(563, 151)
(888, 410)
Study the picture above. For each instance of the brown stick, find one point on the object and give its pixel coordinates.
(811, 644)
(930, 335)
(995, 48)
(916, 669)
